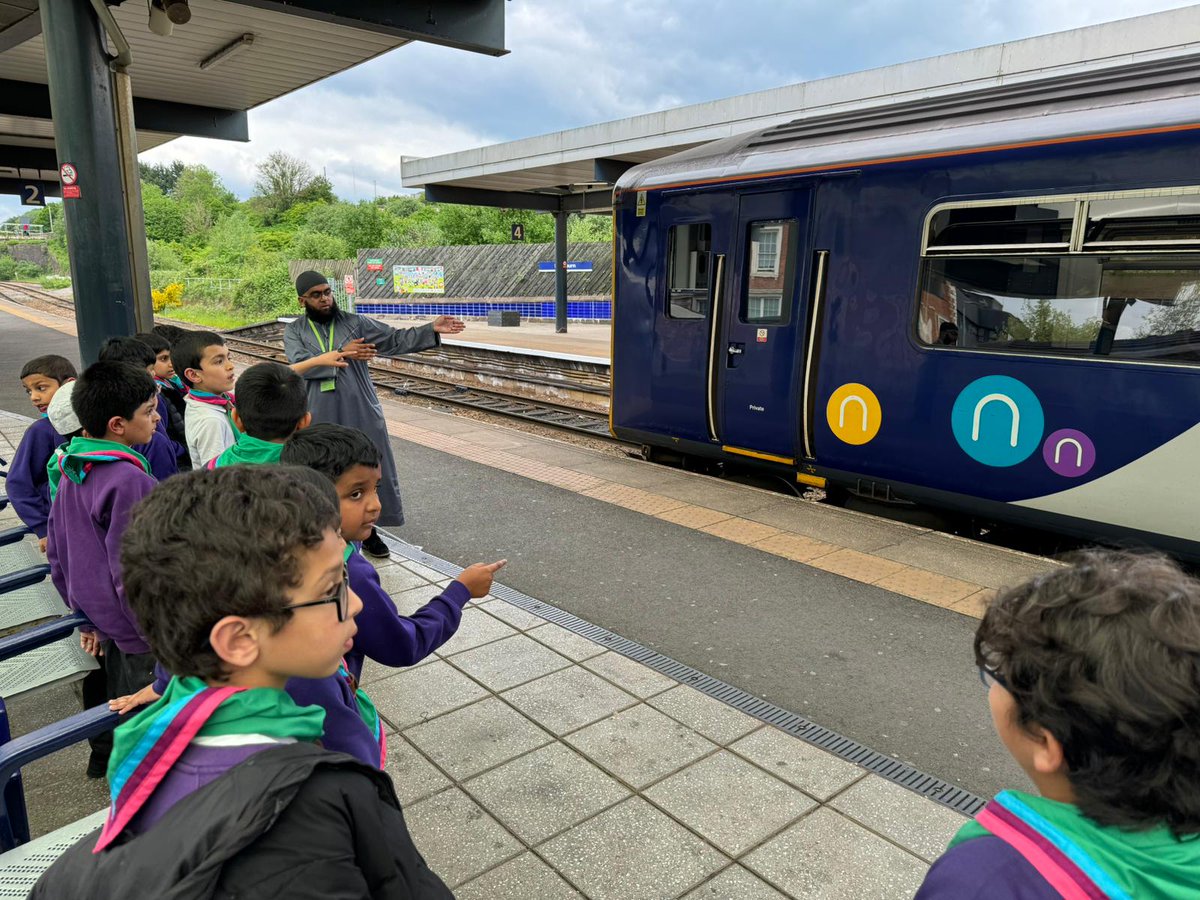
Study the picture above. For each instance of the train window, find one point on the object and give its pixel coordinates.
(688, 271)
(1169, 220)
(1136, 307)
(770, 265)
(1016, 225)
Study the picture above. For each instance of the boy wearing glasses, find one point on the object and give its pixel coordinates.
(345, 395)
(220, 789)
(1093, 677)
(347, 459)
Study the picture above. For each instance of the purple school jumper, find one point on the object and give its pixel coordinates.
(162, 453)
(390, 638)
(27, 485)
(193, 770)
(85, 527)
(985, 868)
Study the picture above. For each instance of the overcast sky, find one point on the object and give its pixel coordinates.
(576, 63)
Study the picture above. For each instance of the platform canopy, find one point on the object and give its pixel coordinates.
(576, 170)
(232, 56)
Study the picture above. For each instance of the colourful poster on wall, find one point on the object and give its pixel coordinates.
(419, 279)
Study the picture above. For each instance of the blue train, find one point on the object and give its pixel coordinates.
(999, 319)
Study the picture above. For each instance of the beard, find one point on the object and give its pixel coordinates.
(321, 317)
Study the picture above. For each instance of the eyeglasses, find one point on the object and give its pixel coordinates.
(317, 295)
(341, 598)
(989, 675)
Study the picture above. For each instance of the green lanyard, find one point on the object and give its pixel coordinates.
(317, 334)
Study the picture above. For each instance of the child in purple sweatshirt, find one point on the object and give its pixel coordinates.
(349, 459)
(1093, 678)
(162, 452)
(95, 482)
(27, 485)
(220, 789)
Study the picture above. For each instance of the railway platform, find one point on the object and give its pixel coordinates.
(631, 714)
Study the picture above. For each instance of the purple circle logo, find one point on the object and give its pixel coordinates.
(1069, 453)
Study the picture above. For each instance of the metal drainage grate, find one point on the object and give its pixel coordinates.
(915, 780)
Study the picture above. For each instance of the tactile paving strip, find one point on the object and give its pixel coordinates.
(819, 736)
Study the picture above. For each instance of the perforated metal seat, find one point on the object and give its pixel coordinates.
(21, 868)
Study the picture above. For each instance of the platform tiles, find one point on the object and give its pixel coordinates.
(919, 563)
(532, 761)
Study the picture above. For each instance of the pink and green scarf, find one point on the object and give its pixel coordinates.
(148, 745)
(1083, 860)
(76, 458)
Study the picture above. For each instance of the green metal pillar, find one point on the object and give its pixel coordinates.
(560, 271)
(85, 127)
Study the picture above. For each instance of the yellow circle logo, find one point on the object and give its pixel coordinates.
(854, 414)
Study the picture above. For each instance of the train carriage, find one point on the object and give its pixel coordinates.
(997, 318)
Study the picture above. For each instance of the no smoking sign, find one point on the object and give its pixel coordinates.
(69, 175)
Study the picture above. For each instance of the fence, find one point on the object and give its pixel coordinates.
(23, 229)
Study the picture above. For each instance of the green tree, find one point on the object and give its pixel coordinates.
(164, 218)
(319, 245)
(164, 176)
(203, 201)
(284, 180)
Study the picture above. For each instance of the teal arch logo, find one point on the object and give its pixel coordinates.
(998, 421)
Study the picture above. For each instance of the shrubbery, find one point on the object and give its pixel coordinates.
(233, 256)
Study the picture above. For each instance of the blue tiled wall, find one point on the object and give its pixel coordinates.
(594, 310)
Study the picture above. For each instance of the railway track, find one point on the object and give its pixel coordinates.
(444, 378)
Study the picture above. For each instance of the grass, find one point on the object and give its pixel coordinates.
(54, 282)
(218, 318)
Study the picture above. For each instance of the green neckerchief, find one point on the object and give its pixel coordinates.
(75, 458)
(249, 451)
(147, 746)
(263, 711)
(1131, 864)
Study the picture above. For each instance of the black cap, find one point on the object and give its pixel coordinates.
(309, 280)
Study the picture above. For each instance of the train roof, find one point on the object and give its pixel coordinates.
(915, 131)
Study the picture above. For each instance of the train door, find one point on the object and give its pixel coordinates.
(761, 340)
(694, 230)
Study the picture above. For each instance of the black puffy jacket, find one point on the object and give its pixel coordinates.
(291, 822)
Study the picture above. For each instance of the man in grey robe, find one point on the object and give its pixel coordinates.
(344, 395)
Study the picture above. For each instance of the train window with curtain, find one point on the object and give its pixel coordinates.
(1044, 224)
(770, 268)
(689, 259)
(1143, 307)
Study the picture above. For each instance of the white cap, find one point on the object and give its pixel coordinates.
(61, 413)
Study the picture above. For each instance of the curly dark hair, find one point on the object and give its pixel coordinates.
(1105, 655)
(215, 543)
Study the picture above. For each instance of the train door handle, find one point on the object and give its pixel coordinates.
(734, 353)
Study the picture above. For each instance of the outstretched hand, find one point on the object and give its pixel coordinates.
(332, 358)
(448, 325)
(358, 349)
(129, 702)
(478, 578)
